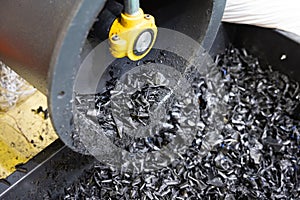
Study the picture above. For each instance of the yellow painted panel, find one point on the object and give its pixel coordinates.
(23, 133)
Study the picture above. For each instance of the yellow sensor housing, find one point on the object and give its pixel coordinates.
(132, 35)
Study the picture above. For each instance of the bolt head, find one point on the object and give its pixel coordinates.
(147, 16)
(115, 37)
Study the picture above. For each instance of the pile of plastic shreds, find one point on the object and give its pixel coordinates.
(258, 157)
(13, 88)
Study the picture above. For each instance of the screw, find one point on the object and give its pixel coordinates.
(115, 37)
(147, 16)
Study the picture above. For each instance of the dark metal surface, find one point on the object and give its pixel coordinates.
(42, 41)
(199, 19)
(29, 31)
(106, 18)
(214, 24)
(64, 66)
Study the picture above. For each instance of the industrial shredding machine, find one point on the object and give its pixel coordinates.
(50, 42)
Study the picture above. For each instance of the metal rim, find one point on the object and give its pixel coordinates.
(64, 65)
